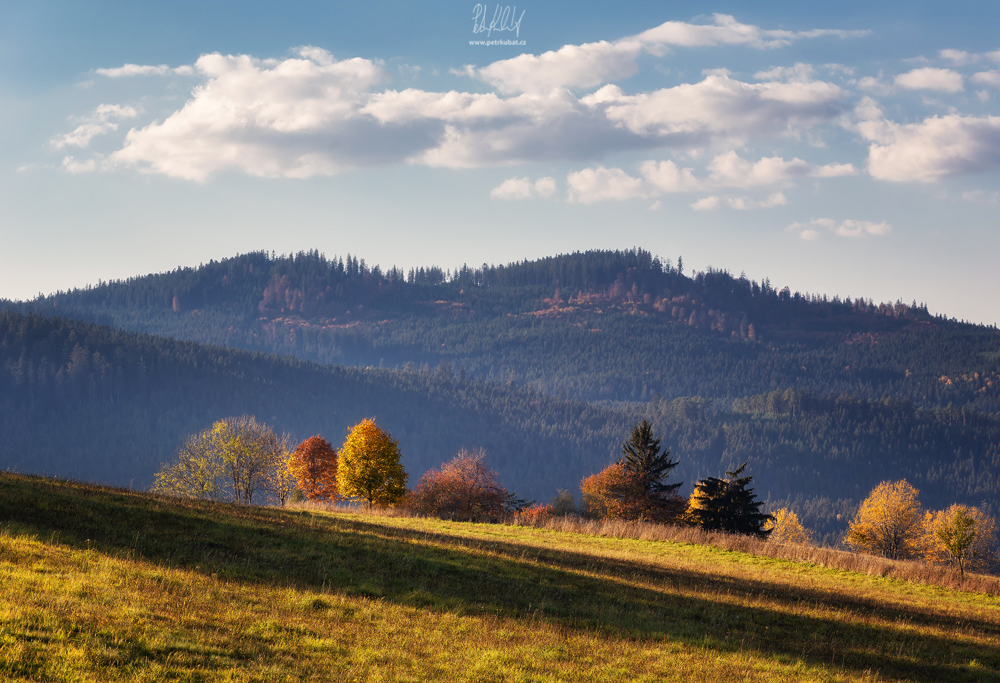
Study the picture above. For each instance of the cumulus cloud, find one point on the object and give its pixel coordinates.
(720, 107)
(847, 228)
(930, 78)
(727, 170)
(591, 64)
(930, 150)
(740, 203)
(958, 57)
(730, 170)
(523, 188)
(799, 73)
(600, 184)
(71, 165)
(144, 70)
(103, 119)
(991, 78)
(706, 203)
(312, 114)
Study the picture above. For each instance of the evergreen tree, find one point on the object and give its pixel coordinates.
(646, 463)
(729, 505)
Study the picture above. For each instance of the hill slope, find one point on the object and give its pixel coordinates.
(600, 325)
(86, 401)
(99, 583)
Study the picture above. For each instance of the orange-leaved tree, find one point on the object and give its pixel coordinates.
(960, 536)
(889, 522)
(314, 464)
(368, 466)
(463, 488)
(614, 493)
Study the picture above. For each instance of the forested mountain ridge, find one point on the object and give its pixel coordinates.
(87, 401)
(600, 325)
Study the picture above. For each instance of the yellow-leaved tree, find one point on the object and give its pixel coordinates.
(785, 527)
(960, 536)
(889, 522)
(368, 466)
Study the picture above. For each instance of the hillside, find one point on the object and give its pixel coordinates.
(110, 584)
(86, 401)
(600, 325)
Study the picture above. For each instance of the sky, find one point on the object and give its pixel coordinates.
(850, 149)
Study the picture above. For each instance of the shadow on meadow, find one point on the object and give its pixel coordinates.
(571, 590)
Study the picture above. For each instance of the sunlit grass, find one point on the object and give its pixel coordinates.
(97, 584)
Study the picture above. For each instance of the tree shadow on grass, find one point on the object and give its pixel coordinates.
(574, 590)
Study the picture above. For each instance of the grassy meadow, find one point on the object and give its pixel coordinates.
(113, 585)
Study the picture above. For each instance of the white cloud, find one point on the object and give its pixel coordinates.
(706, 203)
(73, 166)
(928, 151)
(847, 228)
(800, 73)
(600, 184)
(740, 203)
(980, 197)
(929, 78)
(103, 119)
(656, 206)
(991, 78)
(664, 176)
(314, 115)
(144, 70)
(769, 202)
(729, 170)
(523, 188)
(726, 170)
(591, 64)
(720, 109)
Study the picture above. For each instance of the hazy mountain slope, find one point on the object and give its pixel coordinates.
(90, 402)
(600, 325)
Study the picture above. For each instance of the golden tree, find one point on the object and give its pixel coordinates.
(785, 527)
(888, 523)
(368, 466)
(314, 465)
(960, 536)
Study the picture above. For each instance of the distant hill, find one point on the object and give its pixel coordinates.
(90, 402)
(600, 325)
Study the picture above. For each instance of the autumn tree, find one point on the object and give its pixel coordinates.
(888, 523)
(250, 452)
(960, 536)
(463, 488)
(785, 527)
(314, 465)
(368, 466)
(650, 466)
(196, 473)
(728, 505)
(235, 459)
(613, 493)
(282, 482)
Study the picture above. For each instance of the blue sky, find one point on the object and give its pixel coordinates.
(849, 149)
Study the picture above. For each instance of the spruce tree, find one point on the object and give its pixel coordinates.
(643, 459)
(729, 505)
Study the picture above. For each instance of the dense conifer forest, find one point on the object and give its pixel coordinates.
(595, 326)
(545, 364)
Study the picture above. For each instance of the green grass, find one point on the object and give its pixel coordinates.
(103, 584)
